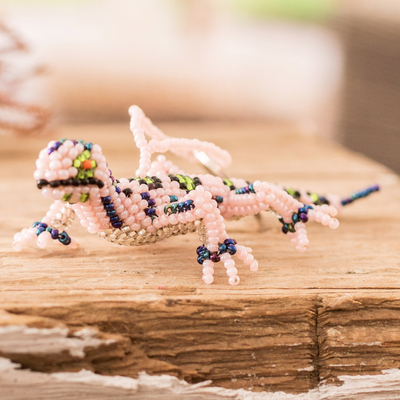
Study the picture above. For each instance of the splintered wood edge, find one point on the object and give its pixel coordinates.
(15, 383)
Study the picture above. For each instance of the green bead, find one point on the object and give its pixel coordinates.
(314, 197)
(181, 178)
(77, 163)
(189, 183)
(86, 153)
(67, 197)
(168, 209)
(81, 175)
(63, 140)
(84, 197)
(175, 208)
(89, 173)
(228, 182)
(148, 180)
(81, 157)
(81, 142)
(290, 191)
(94, 164)
(48, 229)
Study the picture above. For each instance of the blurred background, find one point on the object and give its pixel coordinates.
(325, 67)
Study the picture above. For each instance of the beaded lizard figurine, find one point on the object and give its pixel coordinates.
(162, 200)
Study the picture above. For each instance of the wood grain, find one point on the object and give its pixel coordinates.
(302, 319)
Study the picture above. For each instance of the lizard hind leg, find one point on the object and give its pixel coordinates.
(217, 246)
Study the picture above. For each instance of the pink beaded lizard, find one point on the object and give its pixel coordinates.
(163, 201)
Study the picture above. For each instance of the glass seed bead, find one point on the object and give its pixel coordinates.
(231, 248)
(86, 153)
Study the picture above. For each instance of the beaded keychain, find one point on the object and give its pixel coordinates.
(163, 200)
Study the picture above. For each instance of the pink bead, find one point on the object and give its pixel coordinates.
(72, 171)
(124, 215)
(229, 263)
(300, 249)
(231, 271)
(146, 222)
(140, 216)
(157, 224)
(63, 174)
(208, 264)
(212, 247)
(318, 216)
(208, 279)
(224, 257)
(38, 174)
(249, 259)
(325, 219)
(50, 176)
(210, 217)
(173, 220)
(199, 213)
(208, 270)
(234, 280)
(207, 207)
(333, 223)
(254, 266)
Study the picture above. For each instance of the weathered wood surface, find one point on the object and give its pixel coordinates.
(301, 320)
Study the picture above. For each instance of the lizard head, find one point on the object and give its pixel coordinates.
(70, 170)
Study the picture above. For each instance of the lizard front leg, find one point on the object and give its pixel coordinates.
(52, 226)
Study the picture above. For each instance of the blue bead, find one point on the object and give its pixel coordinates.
(39, 231)
(63, 237)
(309, 207)
(181, 207)
(117, 224)
(54, 234)
(219, 199)
(303, 210)
(229, 241)
(200, 259)
(89, 146)
(251, 188)
(106, 200)
(35, 224)
(231, 248)
(173, 198)
(206, 254)
(151, 202)
(174, 208)
(109, 207)
(57, 145)
(114, 219)
(50, 150)
(42, 225)
(189, 205)
(117, 189)
(295, 218)
(145, 195)
(222, 248)
(285, 229)
(200, 249)
(151, 212)
(111, 213)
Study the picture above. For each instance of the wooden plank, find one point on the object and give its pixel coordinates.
(275, 331)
